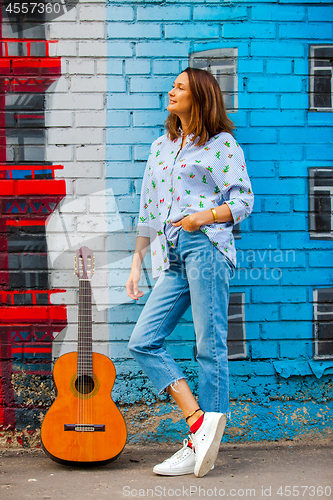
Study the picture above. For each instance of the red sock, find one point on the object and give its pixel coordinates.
(196, 424)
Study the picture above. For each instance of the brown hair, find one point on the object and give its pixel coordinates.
(208, 113)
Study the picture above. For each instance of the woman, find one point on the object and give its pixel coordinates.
(195, 187)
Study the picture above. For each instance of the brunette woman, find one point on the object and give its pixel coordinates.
(195, 188)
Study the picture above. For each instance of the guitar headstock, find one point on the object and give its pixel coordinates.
(84, 263)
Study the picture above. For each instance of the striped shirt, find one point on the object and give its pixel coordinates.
(179, 182)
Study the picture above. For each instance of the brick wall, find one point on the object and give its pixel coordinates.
(119, 59)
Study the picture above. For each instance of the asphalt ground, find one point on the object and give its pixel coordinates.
(277, 471)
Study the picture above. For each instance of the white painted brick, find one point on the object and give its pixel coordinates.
(110, 66)
(102, 204)
(90, 153)
(90, 119)
(75, 101)
(56, 118)
(84, 186)
(91, 84)
(65, 298)
(55, 224)
(72, 206)
(63, 48)
(83, 169)
(93, 49)
(59, 154)
(61, 85)
(81, 66)
(89, 12)
(75, 136)
(77, 31)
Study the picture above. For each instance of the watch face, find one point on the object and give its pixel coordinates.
(22, 15)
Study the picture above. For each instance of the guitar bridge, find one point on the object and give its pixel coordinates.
(84, 428)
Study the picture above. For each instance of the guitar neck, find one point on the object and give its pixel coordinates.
(84, 360)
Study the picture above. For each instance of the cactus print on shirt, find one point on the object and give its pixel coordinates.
(179, 182)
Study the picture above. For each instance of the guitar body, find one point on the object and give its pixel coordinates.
(83, 425)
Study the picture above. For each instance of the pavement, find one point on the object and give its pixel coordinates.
(276, 471)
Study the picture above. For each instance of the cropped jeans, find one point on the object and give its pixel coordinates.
(199, 276)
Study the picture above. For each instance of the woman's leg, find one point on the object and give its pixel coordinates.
(208, 273)
(167, 303)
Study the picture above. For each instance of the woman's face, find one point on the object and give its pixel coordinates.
(180, 97)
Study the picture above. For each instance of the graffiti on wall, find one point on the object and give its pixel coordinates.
(29, 194)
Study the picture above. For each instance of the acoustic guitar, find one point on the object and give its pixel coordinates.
(83, 425)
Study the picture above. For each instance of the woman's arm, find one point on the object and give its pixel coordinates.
(142, 244)
(194, 221)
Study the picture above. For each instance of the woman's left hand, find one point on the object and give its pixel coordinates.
(190, 223)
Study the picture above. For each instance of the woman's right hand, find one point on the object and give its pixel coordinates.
(132, 284)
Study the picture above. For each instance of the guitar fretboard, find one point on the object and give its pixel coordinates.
(84, 361)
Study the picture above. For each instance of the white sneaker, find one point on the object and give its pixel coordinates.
(206, 441)
(182, 462)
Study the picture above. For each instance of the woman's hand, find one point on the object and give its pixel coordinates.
(132, 284)
(190, 223)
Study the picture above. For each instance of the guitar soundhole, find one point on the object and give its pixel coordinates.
(84, 384)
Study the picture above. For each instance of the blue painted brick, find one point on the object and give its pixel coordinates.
(149, 118)
(300, 204)
(129, 169)
(318, 118)
(257, 241)
(277, 13)
(142, 152)
(277, 204)
(311, 277)
(243, 49)
(273, 222)
(117, 118)
(294, 101)
(116, 13)
(321, 259)
(162, 49)
(164, 13)
(134, 30)
(279, 66)
(180, 350)
(292, 169)
(137, 66)
(120, 49)
(195, 30)
(277, 49)
(128, 204)
(278, 118)
(322, 152)
(319, 13)
(130, 135)
(275, 152)
(286, 330)
(294, 350)
(114, 66)
(262, 312)
(257, 101)
(257, 135)
(266, 349)
(301, 66)
(166, 67)
(147, 84)
(208, 13)
(306, 136)
(117, 153)
(246, 65)
(296, 312)
(273, 84)
(306, 31)
(302, 240)
(248, 30)
(291, 294)
(260, 169)
(136, 101)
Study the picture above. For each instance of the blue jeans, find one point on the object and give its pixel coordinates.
(199, 276)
